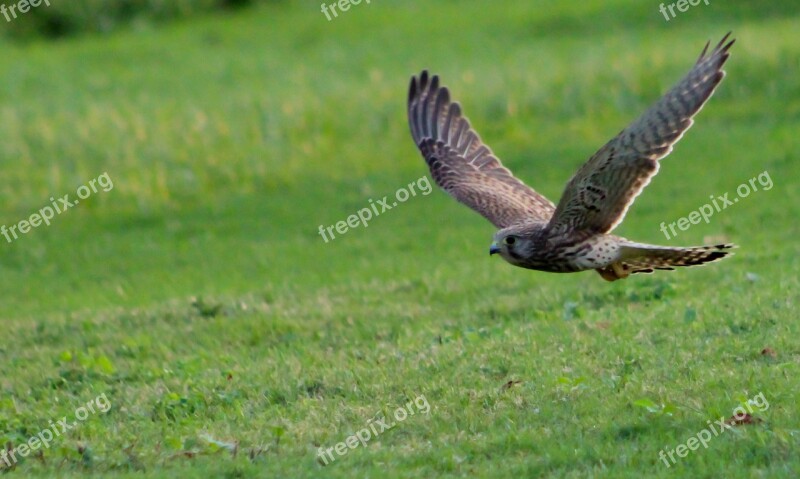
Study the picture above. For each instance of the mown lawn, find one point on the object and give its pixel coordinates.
(231, 340)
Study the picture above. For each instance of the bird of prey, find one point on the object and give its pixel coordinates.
(575, 235)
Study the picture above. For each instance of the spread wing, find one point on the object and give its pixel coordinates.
(462, 165)
(598, 196)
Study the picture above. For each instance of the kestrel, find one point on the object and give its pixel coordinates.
(575, 235)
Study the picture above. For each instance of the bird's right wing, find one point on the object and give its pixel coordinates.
(462, 165)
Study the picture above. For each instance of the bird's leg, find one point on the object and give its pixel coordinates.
(607, 274)
(620, 270)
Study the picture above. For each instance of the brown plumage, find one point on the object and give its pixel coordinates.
(574, 236)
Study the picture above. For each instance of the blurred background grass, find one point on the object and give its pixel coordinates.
(62, 19)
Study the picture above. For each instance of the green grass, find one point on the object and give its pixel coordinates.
(199, 297)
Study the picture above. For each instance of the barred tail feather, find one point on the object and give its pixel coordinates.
(642, 258)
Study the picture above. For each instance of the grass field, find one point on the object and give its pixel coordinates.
(230, 340)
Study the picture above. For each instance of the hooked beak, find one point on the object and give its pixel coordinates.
(494, 248)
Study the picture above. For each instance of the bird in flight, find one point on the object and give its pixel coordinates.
(575, 235)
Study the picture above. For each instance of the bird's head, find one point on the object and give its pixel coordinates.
(512, 246)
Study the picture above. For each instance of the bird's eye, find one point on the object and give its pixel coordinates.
(509, 240)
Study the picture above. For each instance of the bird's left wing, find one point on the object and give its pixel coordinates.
(598, 196)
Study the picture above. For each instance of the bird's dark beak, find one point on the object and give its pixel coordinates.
(494, 249)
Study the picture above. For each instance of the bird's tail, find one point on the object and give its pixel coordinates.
(644, 258)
